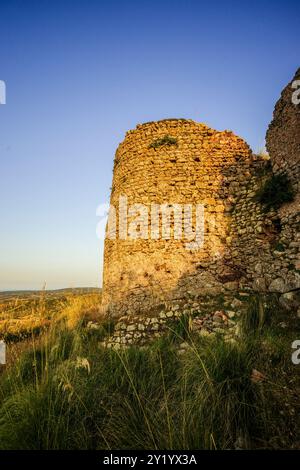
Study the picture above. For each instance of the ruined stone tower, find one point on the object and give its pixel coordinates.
(244, 244)
(283, 135)
(174, 161)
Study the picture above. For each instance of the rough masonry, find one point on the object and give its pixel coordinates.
(246, 248)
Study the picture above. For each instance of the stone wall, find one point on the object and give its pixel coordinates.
(206, 317)
(142, 274)
(283, 144)
(283, 134)
(245, 248)
(265, 245)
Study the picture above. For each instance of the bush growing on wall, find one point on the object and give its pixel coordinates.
(276, 191)
(166, 140)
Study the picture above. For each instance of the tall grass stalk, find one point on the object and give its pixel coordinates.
(66, 391)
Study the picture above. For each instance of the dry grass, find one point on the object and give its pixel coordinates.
(25, 315)
(84, 307)
(64, 390)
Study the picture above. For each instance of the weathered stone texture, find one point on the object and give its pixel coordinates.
(264, 245)
(199, 169)
(283, 135)
(283, 144)
(244, 247)
(202, 319)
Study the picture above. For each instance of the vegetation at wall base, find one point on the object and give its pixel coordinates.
(66, 391)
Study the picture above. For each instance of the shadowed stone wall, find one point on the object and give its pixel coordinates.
(198, 169)
(283, 135)
(177, 161)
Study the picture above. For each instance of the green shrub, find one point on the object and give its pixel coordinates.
(279, 247)
(276, 191)
(166, 140)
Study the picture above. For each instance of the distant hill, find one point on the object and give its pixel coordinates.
(68, 290)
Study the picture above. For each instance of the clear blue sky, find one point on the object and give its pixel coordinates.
(80, 73)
